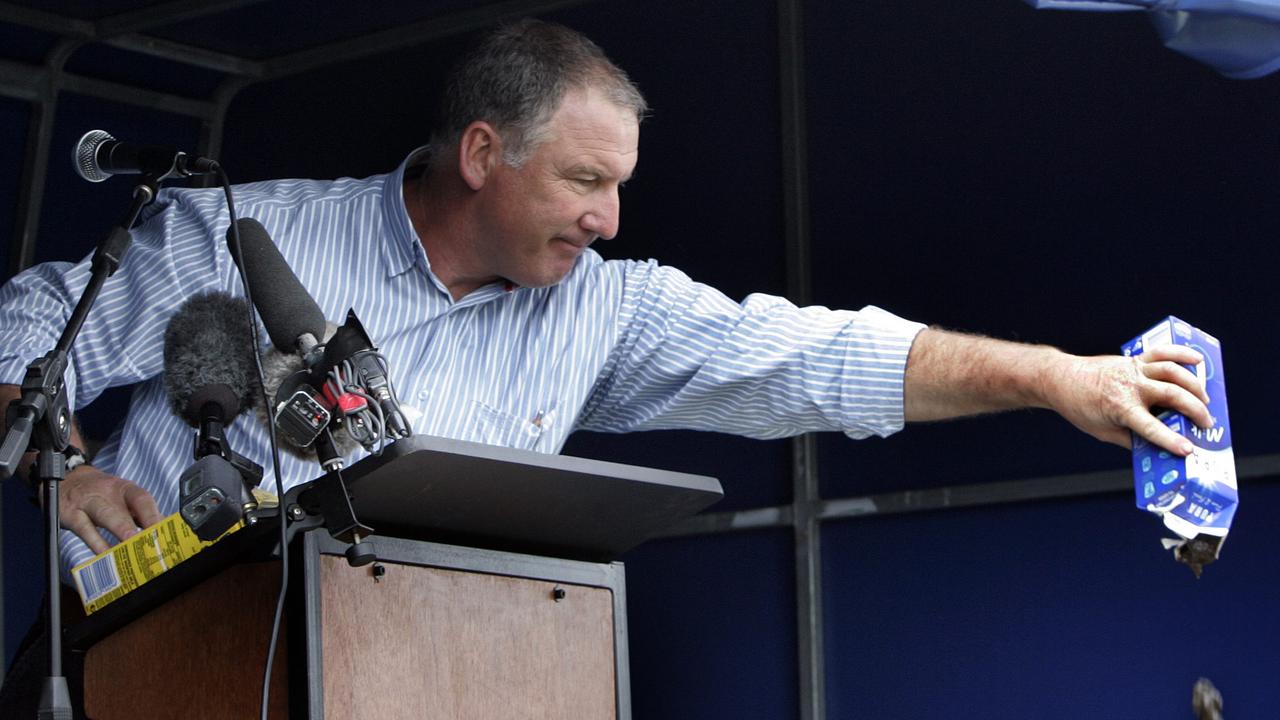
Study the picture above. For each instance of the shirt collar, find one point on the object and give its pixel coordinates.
(403, 249)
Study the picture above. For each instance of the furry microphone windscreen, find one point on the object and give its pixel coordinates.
(209, 357)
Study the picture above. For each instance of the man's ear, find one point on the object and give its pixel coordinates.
(479, 152)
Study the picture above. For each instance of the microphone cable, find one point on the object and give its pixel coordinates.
(366, 425)
(275, 451)
(363, 424)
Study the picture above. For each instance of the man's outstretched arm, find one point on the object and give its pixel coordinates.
(952, 374)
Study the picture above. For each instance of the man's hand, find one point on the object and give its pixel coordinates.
(1108, 396)
(89, 498)
(951, 375)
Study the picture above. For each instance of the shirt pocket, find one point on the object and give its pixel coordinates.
(513, 429)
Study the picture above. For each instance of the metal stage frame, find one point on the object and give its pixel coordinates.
(42, 85)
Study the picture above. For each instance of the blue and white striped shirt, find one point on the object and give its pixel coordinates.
(616, 346)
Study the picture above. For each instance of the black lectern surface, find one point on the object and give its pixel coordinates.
(463, 493)
(431, 488)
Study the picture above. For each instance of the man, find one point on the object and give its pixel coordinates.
(470, 265)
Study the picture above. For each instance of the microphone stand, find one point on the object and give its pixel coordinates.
(41, 421)
(334, 502)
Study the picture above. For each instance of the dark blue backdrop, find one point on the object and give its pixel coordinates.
(1039, 176)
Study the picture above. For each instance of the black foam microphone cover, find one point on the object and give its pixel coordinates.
(209, 358)
(287, 309)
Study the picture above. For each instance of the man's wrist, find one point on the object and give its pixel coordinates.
(1054, 368)
(73, 456)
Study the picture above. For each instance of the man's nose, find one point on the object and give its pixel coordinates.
(603, 218)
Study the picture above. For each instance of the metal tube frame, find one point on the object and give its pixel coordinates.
(804, 473)
(41, 85)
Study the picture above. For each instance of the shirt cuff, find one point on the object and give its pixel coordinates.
(875, 400)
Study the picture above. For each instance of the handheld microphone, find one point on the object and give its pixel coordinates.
(98, 156)
(210, 379)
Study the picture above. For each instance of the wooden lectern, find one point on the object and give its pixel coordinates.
(496, 598)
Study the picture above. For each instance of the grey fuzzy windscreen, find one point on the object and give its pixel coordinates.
(208, 342)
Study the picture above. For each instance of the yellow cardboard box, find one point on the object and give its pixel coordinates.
(136, 561)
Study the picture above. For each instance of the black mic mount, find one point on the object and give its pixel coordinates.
(346, 388)
(217, 490)
(313, 402)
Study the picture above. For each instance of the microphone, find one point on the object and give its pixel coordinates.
(321, 400)
(293, 320)
(209, 379)
(98, 156)
(342, 380)
(208, 359)
(295, 324)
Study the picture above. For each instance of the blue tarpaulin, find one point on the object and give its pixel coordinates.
(1238, 38)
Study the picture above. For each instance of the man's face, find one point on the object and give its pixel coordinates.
(541, 216)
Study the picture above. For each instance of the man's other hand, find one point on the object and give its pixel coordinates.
(89, 498)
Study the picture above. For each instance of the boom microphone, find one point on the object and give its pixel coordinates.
(98, 156)
(293, 320)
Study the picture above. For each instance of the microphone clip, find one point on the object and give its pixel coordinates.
(217, 490)
(301, 413)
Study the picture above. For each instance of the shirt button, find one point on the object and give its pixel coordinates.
(423, 394)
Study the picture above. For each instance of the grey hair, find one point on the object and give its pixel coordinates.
(516, 79)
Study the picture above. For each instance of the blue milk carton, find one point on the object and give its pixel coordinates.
(1196, 495)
